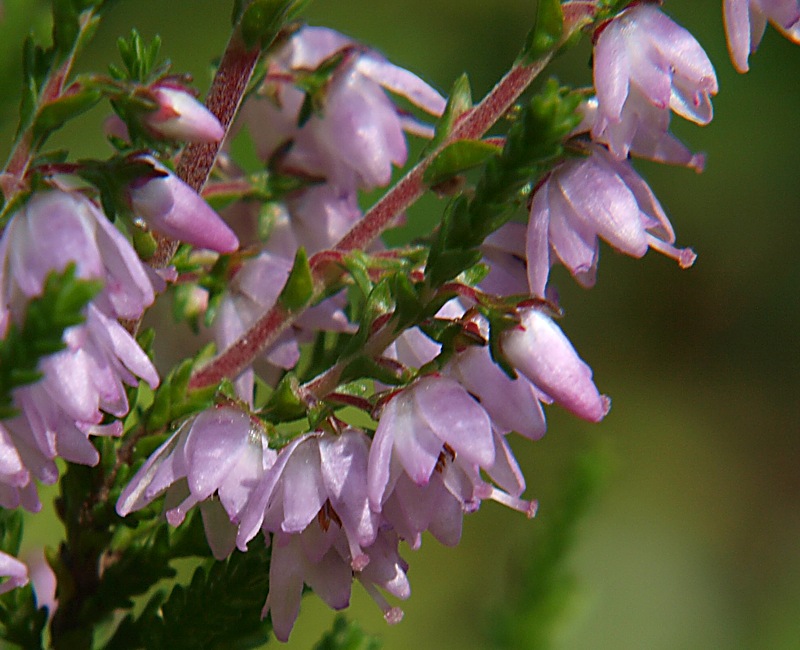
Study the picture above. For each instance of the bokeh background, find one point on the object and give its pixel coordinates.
(693, 541)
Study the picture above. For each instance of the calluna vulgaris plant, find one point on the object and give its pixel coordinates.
(355, 395)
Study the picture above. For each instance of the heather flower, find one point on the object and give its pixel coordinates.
(171, 207)
(644, 48)
(642, 130)
(746, 21)
(541, 352)
(221, 454)
(180, 116)
(504, 252)
(432, 415)
(319, 481)
(14, 572)
(591, 197)
(356, 134)
(56, 228)
(330, 575)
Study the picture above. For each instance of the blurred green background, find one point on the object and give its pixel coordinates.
(694, 541)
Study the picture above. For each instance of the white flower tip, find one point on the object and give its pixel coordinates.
(393, 615)
(686, 258)
(606, 406)
(533, 507)
(360, 562)
(698, 162)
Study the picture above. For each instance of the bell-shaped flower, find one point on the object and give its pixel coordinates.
(219, 454)
(318, 481)
(643, 47)
(179, 116)
(295, 562)
(356, 134)
(14, 572)
(746, 21)
(642, 131)
(539, 350)
(171, 207)
(417, 424)
(591, 197)
(56, 228)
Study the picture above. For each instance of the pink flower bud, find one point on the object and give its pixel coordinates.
(171, 207)
(180, 116)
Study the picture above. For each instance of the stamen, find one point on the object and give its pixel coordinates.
(684, 256)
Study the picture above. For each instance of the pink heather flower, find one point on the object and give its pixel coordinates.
(456, 487)
(358, 134)
(504, 252)
(512, 404)
(14, 572)
(294, 563)
(746, 21)
(56, 228)
(171, 207)
(541, 352)
(251, 293)
(219, 455)
(644, 48)
(642, 130)
(586, 198)
(433, 415)
(318, 481)
(180, 116)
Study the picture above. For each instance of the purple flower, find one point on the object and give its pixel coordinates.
(295, 563)
(644, 48)
(642, 130)
(14, 572)
(180, 116)
(54, 229)
(433, 415)
(357, 134)
(219, 455)
(587, 198)
(317, 481)
(171, 207)
(541, 352)
(746, 21)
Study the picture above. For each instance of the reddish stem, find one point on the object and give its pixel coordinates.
(472, 125)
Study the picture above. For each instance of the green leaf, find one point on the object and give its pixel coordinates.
(457, 158)
(347, 635)
(547, 32)
(262, 21)
(299, 286)
(54, 115)
(285, 402)
(458, 103)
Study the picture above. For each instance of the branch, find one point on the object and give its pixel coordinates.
(473, 124)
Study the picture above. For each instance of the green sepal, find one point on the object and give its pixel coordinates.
(499, 323)
(457, 158)
(262, 20)
(458, 103)
(299, 287)
(546, 34)
(347, 635)
(54, 115)
(285, 402)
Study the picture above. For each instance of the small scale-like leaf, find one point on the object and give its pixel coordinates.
(547, 32)
(262, 20)
(299, 286)
(457, 158)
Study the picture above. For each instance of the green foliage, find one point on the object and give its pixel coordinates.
(47, 317)
(346, 635)
(21, 622)
(456, 158)
(299, 287)
(529, 617)
(534, 142)
(546, 33)
(219, 609)
(262, 20)
(139, 59)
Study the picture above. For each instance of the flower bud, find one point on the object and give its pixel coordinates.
(180, 116)
(171, 207)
